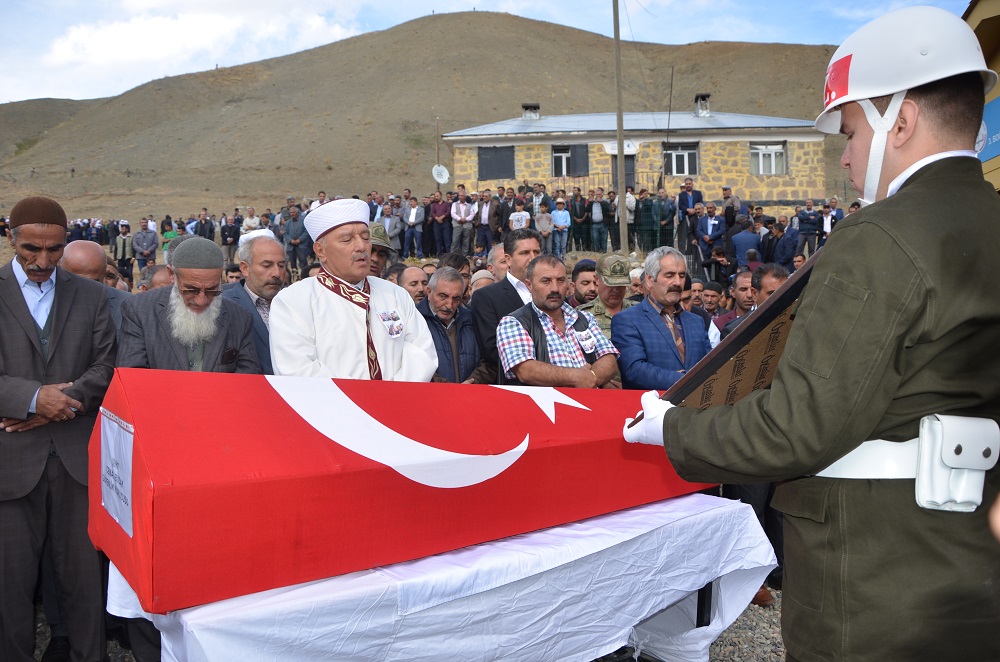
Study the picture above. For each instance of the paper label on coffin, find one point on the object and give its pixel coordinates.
(747, 359)
(116, 469)
(320, 477)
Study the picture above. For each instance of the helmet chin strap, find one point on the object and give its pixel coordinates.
(881, 125)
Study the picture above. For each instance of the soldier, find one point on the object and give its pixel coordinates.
(612, 282)
(886, 557)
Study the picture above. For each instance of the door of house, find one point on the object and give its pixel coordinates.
(629, 172)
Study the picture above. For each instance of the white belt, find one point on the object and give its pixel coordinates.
(949, 461)
(877, 459)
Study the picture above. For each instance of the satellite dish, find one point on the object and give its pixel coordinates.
(440, 174)
(981, 138)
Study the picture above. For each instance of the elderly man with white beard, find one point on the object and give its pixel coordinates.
(188, 326)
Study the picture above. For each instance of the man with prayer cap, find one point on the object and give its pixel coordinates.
(57, 355)
(344, 322)
(189, 326)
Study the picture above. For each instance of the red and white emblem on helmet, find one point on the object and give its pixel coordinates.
(838, 78)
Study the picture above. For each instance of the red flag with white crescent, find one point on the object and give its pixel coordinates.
(263, 482)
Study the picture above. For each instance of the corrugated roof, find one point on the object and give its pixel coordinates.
(633, 122)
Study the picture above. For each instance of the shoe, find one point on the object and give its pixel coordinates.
(57, 650)
(774, 582)
(763, 598)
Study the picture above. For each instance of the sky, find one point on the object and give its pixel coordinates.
(86, 49)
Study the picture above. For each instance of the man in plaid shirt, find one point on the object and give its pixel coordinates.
(571, 351)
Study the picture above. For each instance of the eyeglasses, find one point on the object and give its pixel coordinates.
(191, 292)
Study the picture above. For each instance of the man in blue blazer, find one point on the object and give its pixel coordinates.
(262, 262)
(658, 340)
(687, 217)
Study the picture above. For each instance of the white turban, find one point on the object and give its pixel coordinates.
(263, 232)
(334, 214)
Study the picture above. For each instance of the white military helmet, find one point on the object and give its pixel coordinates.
(890, 55)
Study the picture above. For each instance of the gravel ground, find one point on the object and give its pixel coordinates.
(754, 637)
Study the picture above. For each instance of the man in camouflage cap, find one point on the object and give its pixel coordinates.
(382, 250)
(612, 281)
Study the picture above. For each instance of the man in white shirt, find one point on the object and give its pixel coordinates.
(320, 199)
(251, 221)
(343, 323)
(463, 213)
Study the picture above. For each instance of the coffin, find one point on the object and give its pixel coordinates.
(208, 486)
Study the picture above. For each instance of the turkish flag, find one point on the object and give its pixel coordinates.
(838, 79)
(259, 482)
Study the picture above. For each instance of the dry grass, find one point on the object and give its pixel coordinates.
(360, 113)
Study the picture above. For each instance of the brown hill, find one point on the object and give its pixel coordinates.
(360, 113)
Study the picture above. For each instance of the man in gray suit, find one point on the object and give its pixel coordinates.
(262, 262)
(188, 326)
(88, 260)
(57, 353)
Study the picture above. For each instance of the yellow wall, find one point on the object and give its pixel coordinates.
(719, 163)
(983, 16)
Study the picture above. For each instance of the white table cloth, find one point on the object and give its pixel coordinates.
(572, 592)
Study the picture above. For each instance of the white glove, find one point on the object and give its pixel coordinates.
(650, 429)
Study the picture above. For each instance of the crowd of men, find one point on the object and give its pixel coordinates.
(471, 223)
(515, 316)
(888, 554)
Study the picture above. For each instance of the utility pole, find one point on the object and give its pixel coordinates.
(622, 216)
(437, 146)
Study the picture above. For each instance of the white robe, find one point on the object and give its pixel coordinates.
(316, 333)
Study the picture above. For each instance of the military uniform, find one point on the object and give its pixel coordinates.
(900, 320)
(600, 313)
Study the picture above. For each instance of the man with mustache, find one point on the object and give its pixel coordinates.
(453, 330)
(188, 326)
(659, 341)
(262, 263)
(547, 342)
(346, 323)
(57, 353)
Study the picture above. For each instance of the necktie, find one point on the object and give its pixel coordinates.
(675, 330)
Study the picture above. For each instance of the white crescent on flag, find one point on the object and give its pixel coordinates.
(324, 406)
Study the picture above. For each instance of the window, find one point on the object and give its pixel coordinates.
(767, 159)
(681, 159)
(570, 161)
(496, 163)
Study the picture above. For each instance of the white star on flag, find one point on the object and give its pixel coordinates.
(545, 397)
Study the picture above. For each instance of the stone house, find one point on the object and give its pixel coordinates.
(984, 18)
(775, 162)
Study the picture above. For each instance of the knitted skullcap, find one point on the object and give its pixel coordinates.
(197, 253)
(37, 209)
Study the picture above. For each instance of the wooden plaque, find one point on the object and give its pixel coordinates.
(747, 358)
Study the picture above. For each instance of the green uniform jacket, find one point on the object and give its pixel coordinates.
(901, 319)
(600, 313)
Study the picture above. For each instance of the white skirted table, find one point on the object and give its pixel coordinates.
(572, 592)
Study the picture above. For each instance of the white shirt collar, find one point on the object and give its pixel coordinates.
(22, 277)
(897, 183)
(520, 287)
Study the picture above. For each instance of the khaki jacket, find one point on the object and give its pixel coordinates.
(900, 319)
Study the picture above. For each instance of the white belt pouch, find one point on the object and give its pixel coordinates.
(955, 452)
